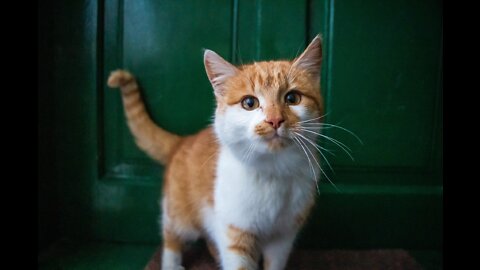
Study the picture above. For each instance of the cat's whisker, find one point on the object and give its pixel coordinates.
(316, 147)
(244, 154)
(312, 119)
(319, 147)
(252, 150)
(297, 141)
(315, 178)
(313, 127)
(312, 124)
(325, 136)
(336, 142)
(248, 152)
(321, 125)
(321, 170)
(210, 157)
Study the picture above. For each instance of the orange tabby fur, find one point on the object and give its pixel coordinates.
(190, 160)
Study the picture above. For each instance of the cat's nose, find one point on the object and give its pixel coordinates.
(275, 122)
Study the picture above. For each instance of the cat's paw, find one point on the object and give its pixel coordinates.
(119, 78)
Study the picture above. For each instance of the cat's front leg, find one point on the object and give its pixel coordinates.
(239, 249)
(172, 249)
(277, 250)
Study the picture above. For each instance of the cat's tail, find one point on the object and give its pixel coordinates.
(155, 141)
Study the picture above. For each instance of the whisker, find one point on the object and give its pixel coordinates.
(338, 143)
(323, 135)
(311, 165)
(297, 141)
(335, 126)
(252, 150)
(313, 127)
(321, 170)
(205, 162)
(249, 152)
(317, 145)
(314, 145)
(246, 153)
(313, 119)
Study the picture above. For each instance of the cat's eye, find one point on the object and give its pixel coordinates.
(293, 98)
(250, 103)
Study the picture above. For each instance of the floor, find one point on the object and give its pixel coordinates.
(98, 255)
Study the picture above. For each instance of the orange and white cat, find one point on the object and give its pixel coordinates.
(247, 183)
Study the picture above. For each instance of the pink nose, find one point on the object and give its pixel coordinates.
(275, 122)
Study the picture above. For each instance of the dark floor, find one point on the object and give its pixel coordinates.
(68, 255)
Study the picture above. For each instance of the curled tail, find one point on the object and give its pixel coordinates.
(155, 141)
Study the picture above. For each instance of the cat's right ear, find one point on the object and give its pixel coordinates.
(218, 71)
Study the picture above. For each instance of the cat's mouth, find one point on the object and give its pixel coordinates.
(276, 142)
(272, 136)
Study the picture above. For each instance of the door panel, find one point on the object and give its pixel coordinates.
(270, 29)
(384, 81)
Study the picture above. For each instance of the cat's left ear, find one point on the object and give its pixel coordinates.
(218, 71)
(311, 59)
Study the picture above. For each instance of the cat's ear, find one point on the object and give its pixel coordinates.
(311, 59)
(218, 70)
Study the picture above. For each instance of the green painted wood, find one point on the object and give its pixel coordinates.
(381, 78)
(383, 81)
(376, 216)
(269, 29)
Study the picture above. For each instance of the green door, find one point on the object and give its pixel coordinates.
(381, 76)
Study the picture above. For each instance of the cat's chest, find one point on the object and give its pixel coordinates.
(252, 198)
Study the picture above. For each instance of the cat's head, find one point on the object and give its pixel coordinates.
(261, 105)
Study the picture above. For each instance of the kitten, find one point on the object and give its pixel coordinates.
(247, 183)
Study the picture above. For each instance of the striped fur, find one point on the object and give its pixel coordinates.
(155, 141)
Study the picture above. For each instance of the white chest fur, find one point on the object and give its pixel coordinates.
(259, 199)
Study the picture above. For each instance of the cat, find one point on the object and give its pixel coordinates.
(245, 184)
